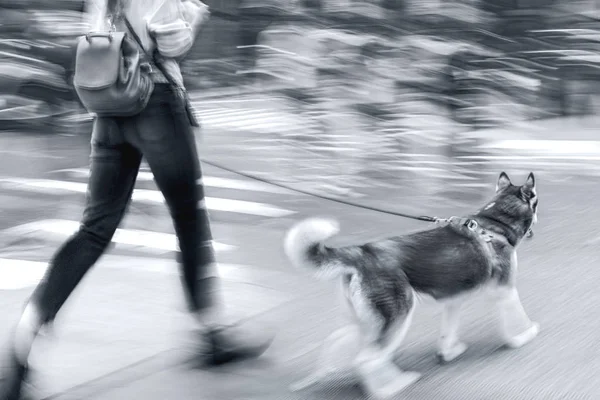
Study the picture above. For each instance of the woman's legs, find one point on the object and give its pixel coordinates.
(167, 141)
(113, 170)
(170, 149)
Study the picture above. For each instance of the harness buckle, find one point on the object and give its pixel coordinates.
(472, 225)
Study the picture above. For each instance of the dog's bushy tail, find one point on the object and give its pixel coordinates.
(304, 246)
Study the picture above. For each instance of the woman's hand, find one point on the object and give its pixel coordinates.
(175, 26)
(196, 13)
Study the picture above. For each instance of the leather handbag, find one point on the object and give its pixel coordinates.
(108, 77)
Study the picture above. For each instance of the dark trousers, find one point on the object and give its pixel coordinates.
(162, 134)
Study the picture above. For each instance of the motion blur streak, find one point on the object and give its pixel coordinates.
(412, 106)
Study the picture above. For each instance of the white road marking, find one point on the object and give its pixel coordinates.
(200, 99)
(532, 158)
(30, 154)
(231, 113)
(211, 181)
(21, 274)
(251, 120)
(156, 241)
(547, 146)
(148, 196)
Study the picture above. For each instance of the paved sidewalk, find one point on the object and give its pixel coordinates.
(127, 327)
(122, 338)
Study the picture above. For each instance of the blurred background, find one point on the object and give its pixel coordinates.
(403, 105)
(368, 88)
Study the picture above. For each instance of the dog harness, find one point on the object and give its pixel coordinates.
(469, 223)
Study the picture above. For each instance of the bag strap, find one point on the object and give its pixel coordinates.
(152, 57)
(179, 90)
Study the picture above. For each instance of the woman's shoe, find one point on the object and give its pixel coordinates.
(230, 344)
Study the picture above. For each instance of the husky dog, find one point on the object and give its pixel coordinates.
(448, 262)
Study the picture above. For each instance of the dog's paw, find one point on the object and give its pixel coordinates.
(382, 378)
(452, 353)
(523, 338)
(306, 383)
(392, 388)
(324, 376)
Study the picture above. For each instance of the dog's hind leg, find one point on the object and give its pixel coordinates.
(449, 345)
(335, 359)
(375, 365)
(517, 328)
(396, 334)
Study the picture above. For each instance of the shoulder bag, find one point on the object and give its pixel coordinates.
(108, 77)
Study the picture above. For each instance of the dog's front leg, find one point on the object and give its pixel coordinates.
(517, 328)
(449, 345)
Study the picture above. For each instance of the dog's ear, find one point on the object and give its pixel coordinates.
(529, 187)
(503, 182)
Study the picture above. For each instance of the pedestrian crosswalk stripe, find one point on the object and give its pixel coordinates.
(210, 181)
(18, 274)
(153, 241)
(239, 113)
(531, 158)
(149, 196)
(226, 183)
(548, 146)
(229, 113)
(270, 125)
(250, 119)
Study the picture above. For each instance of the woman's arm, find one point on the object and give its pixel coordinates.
(196, 13)
(174, 26)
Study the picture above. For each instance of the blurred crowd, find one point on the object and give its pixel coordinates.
(477, 63)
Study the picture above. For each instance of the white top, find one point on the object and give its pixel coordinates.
(173, 24)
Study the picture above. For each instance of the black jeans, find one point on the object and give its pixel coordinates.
(162, 134)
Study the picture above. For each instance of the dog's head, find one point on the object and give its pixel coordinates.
(514, 206)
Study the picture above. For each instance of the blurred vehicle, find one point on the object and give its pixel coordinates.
(34, 82)
(36, 60)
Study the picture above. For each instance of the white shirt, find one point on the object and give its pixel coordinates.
(172, 23)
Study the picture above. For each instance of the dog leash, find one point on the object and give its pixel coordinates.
(423, 218)
(469, 223)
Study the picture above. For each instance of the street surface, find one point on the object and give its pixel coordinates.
(125, 334)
